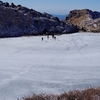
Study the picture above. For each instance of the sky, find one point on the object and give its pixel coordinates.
(60, 7)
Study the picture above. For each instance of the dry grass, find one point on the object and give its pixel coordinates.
(88, 94)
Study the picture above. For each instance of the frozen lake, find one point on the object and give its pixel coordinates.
(29, 65)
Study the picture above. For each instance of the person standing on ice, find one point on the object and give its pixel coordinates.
(42, 38)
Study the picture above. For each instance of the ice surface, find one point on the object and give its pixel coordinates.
(29, 65)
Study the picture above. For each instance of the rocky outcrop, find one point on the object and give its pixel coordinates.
(19, 21)
(85, 20)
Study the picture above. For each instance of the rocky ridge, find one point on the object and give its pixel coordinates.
(85, 20)
(16, 20)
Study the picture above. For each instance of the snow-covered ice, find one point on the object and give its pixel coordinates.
(29, 65)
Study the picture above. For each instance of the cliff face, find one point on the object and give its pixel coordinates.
(19, 21)
(85, 19)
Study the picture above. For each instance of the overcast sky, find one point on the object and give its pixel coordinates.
(58, 6)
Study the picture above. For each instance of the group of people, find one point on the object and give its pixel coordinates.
(48, 37)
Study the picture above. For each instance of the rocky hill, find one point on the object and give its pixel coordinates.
(16, 20)
(85, 20)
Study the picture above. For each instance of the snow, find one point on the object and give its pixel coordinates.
(95, 25)
(29, 65)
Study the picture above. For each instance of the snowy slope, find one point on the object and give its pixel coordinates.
(29, 65)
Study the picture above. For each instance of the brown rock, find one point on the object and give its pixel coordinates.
(85, 20)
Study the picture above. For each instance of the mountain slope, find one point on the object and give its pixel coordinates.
(85, 19)
(19, 21)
